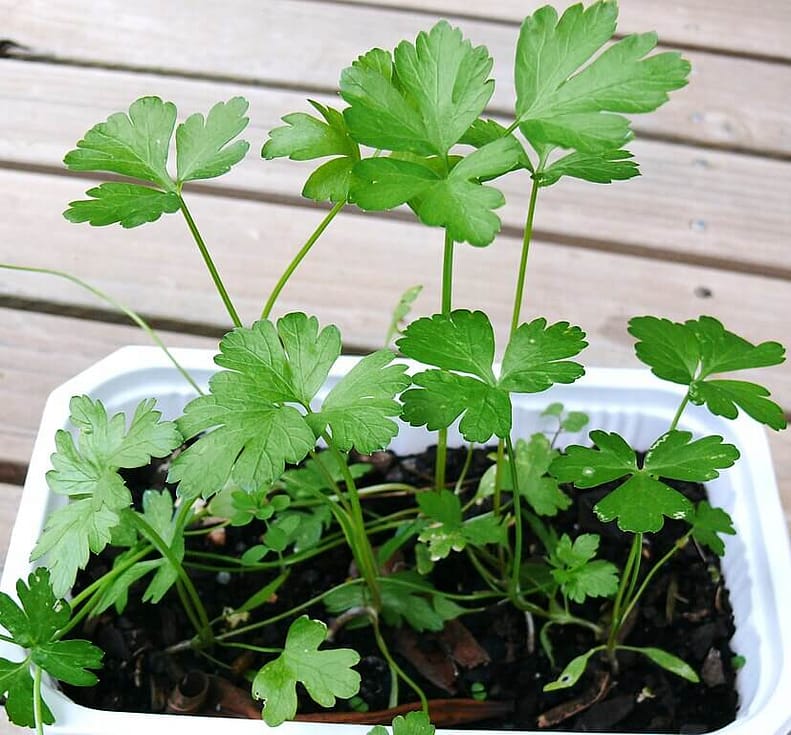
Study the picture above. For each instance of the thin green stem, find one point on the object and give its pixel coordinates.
(99, 584)
(516, 563)
(626, 577)
(380, 642)
(134, 316)
(497, 498)
(652, 573)
(679, 412)
(298, 258)
(465, 469)
(37, 714)
(635, 571)
(527, 238)
(203, 626)
(207, 259)
(447, 274)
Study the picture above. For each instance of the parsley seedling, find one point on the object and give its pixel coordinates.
(413, 132)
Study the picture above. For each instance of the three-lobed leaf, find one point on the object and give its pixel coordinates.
(691, 352)
(708, 523)
(136, 144)
(34, 623)
(325, 674)
(463, 342)
(641, 503)
(578, 573)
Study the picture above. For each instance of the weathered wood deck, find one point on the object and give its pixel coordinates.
(705, 230)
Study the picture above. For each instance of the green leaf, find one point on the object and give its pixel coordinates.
(453, 199)
(572, 673)
(462, 341)
(254, 430)
(359, 407)
(325, 674)
(676, 456)
(448, 531)
(576, 571)
(158, 511)
(533, 459)
(534, 359)
(401, 311)
(439, 398)
(34, 624)
(722, 397)
(423, 103)
(640, 503)
(482, 132)
(670, 349)
(130, 205)
(574, 421)
(88, 473)
(311, 478)
(707, 523)
(311, 353)
(587, 467)
(599, 168)
(134, 145)
(306, 137)
(413, 723)
(203, 147)
(16, 684)
(669, 662)
(691, 352)
(565, 99)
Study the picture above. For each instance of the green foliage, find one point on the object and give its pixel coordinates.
(463, 342)
(447, 530)
(406, 597)
(87, 472)
(419, 103)
(565, 99)
(576, 571)
(34, 623)
(599, 168)
(325, 674)
(252, 408)
(691, 352)
(136, 145)
(401, 311)
(640, 503)
(305, 137)
(413, 723)
(707, 525)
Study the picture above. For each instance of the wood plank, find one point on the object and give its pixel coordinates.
(359, 268)
(690, 204)
(693, 23)
(9, 501)
(731, 102)
(39, 352)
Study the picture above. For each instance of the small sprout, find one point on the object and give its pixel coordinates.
(478, 691)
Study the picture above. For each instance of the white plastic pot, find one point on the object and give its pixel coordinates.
(757, 564)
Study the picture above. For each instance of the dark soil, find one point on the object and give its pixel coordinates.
(686, 611)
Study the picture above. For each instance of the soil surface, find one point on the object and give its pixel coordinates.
(492, 661)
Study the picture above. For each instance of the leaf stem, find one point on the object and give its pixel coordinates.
(679, 412)
(298, 258)
(446, 305)
(37, 715)
(203, 626)
(625, 582)
(651, 574)
(101, 295)
(527, 238)
(207, 259)
(380, 641)
(515, 584)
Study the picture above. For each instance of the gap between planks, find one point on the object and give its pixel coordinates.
(731, 103)
(690, 204)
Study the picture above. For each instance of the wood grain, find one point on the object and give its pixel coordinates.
(358, 270)
(731, 102)
(694, 23)
(714, 208)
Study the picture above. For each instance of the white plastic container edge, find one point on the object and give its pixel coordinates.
(757, 563)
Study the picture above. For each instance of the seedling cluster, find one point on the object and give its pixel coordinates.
(262, 445)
